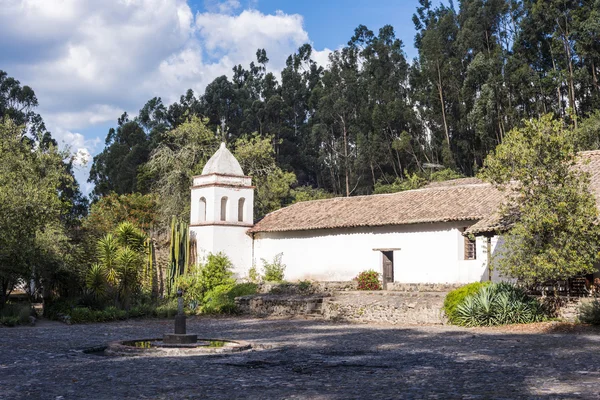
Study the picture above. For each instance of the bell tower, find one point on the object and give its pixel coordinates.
(222, 210)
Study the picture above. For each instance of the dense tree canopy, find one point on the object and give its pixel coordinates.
(371, 117)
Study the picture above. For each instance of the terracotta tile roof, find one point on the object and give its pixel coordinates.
(454, 202)
(454, 182)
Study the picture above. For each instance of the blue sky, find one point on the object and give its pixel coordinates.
(88, 61)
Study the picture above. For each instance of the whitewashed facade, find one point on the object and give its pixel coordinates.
(427, 252)
(422, 253)
(222, 210)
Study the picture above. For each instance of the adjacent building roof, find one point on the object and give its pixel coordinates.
(223, 163)
(465, 199)
(473, 200)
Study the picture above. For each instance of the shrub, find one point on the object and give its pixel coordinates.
(167, 310)
(15, 314)
(274, 271)
(191, 284)
(9, 321)
(82, 314)
(457, 296)
(368, 280)
(253, 275)
(499, 304)
(216, 272)
(221, 300)
(304, 286)
(589, 312)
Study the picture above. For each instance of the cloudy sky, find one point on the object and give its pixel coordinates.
(89, 60)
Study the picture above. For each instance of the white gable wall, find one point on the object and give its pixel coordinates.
(429, 253)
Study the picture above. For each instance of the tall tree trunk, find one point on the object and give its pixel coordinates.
(347, 173)
(595, 77)
(441, 93)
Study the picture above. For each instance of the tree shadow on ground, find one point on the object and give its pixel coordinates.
(320, 360)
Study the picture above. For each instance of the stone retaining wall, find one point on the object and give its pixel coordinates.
(395, 307)
(280, 305)
(383, 306)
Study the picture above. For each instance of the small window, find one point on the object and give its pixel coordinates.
(470, 249)
(224, 212)
(202, 210)
(241, 211)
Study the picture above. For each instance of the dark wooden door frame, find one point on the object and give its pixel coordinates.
(387, 265)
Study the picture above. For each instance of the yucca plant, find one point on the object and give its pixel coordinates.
(96, 280)
(128, 235)
(129, 263)
(107, 254)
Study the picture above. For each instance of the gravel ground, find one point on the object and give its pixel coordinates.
(305, 359)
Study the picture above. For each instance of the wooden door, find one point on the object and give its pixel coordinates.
(388, 267)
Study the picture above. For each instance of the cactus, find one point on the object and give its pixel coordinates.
(179, 251)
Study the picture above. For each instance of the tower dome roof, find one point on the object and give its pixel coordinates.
(223, 162)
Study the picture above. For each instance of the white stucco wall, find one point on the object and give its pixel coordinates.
(429, 253)
(213, 234)
(231, 240)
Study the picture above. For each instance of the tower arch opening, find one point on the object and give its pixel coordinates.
(241, 209)
(224, 208)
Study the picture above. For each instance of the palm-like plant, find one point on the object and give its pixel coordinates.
(129, 263)
(130, 236)
(95, 280)
(107, 254)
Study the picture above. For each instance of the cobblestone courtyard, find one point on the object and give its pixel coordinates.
(308, 360)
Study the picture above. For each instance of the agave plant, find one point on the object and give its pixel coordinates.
(499, 304)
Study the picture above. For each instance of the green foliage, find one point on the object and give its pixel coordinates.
(216, 272)
(304, 286)
(111, 210)
(307, 193)
(13, 314)
(181, 154)
(458, 296)
(256, 156)
(96, 280)
(254, 275)
(31, 174)
(273, 271)
(552, 214)
(220, 300)
(368, 280)
(179, 252)
(445, 174)
(589, 312)
(499, 304)
(167, 310)
(412, 182)
(115, 168)
(192, 285)
(122, 268)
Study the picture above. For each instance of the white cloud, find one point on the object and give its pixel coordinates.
(222, 7)
(88, 61)
(321, 57)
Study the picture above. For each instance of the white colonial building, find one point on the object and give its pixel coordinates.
(416, 236)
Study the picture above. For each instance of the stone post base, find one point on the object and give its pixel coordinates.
(174, 338)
